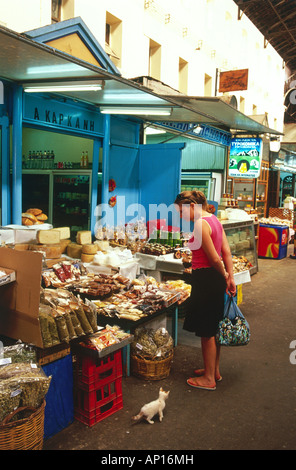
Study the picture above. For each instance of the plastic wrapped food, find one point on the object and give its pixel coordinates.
(13, 370)
(143, 344)
(164, 342)
(61, 326)
(83, 320)
(20, 352)
(48, 326)
(91, 313)
(76, 323)
(9, 399)
(46, 336)
(21, 384)
(152, 344)
(33, 387)
(70, 327)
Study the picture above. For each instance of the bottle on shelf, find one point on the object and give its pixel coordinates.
(44, 160)
(86, 160)
(82, 159)
(52, 159)
(29, 162)
(33, 165)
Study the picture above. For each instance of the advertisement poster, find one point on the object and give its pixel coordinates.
(245, 157)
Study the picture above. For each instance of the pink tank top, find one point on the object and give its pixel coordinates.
(199, 258)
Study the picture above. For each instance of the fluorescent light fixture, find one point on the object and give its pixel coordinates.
(154, 130)
(62, 88)
(135, 110)
(197, 129)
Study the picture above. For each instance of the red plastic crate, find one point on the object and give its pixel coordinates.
(89, 400)
(94, 372)
(93, 417)
(97, 387)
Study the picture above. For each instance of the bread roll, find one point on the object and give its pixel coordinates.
(42, 217)
(26, 221)
(35, 211)
(28, 215)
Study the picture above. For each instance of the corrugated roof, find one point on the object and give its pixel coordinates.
(275, 19)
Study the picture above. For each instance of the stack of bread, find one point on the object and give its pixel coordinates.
(33, 217)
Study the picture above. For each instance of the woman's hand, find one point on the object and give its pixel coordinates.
(230, 286)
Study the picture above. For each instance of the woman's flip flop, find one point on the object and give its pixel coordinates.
(198, 373)
(202, 387)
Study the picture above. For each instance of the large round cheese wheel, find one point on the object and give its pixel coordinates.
(89, 249)
(50, 251)
(74, 250)
(86, 258)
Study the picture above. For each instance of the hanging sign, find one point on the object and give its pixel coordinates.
(245, 157)
(200, 131)
(233, 80)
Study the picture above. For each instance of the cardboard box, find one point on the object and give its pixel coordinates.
(19, 300)
(24, 234)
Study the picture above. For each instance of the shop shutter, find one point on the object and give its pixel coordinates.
(159, 177)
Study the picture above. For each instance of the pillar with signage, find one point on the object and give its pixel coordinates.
(248, 175)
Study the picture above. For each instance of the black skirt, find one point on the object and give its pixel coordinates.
(205, 306)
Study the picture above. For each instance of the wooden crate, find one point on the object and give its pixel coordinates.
(48, 355)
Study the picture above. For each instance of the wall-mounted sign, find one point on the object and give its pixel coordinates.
(200, 131)
(233, 80)
(61, 115)
(245, 157)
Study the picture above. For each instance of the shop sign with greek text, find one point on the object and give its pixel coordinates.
(245, 157)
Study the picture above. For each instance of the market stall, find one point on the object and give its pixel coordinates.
(53, 301)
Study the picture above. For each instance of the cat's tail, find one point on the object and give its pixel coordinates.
(137, 418)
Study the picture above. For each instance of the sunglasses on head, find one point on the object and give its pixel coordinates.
(180, 198)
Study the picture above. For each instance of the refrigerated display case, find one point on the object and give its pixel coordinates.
(71, 200)
(36, 191)
(207, 182)
(64, 195)
(241, 239)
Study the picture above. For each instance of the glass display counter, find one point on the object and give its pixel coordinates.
(241, 239)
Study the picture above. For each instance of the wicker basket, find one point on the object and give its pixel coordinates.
(151, 369)
(23, 434)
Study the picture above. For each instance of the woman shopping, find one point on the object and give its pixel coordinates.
(209, 280)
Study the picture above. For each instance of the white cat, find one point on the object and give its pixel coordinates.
(154, 407)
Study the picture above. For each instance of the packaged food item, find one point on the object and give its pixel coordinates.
(152, 344)
(19, 352)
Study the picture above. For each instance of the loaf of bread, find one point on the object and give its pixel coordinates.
(34, 211)
(41, 217)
